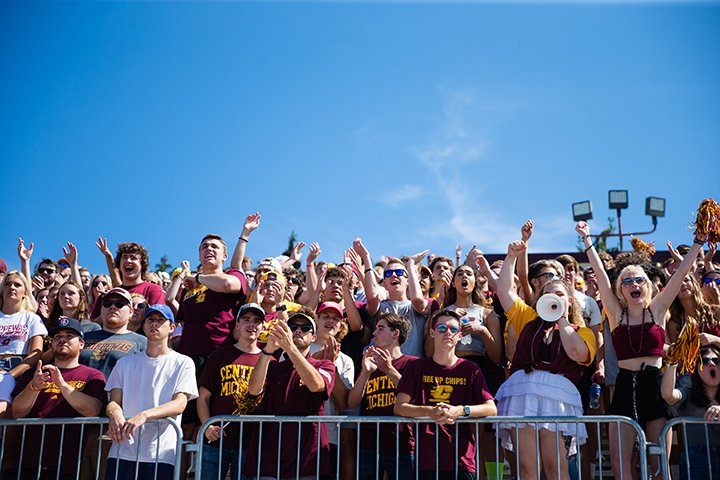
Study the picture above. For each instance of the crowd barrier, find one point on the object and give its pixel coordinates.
(30, 439)
(67, 448)
(699, 445)
(495, 466)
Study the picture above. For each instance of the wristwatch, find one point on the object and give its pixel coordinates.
(466, 411)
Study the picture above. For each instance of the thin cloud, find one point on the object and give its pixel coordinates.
(406, 193)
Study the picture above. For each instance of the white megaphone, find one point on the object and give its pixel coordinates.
(550, 307)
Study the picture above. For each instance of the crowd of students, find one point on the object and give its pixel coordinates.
(414, 336)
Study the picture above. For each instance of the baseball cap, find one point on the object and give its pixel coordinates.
(66, 323)
(330, 306)
(273, 263)
(163, 310)
(306, 317)
(251, 307)
(119, 292)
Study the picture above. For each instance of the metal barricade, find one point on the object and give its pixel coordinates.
(699, 448)
(55, 448)
(396, 467)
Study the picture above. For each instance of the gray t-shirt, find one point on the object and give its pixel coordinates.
(476, 345)
(103, 349)
(414, 343)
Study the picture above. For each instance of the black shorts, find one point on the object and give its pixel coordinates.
(637, 395)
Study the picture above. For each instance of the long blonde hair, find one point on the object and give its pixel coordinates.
(28, 303)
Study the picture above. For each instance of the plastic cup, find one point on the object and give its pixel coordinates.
(494, 470)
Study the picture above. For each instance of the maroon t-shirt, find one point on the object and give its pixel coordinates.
(50, 403)
(532, 353)
(286, 395)
(379, 401)
(226, 375)
(209, 317)
(152, 292)
(428, 383)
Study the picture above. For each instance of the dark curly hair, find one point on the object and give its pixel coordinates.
(130, 248)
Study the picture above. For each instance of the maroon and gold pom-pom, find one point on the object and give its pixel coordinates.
(642, 247)
(707, 220)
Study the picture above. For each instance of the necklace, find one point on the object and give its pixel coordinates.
(642, 331)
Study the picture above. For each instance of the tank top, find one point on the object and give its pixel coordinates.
(633, 341)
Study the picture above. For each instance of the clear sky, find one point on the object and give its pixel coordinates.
(412, 125)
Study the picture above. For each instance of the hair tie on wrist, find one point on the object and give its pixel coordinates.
(589, 247)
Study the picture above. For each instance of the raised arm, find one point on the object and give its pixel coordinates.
(295, 255)
(351, 312)
(372, 289)
(486, 271)
(113, 272)
(172, 292)
(661, 302)
(252, 222)
(86, 405)
(670, 394)
(420, 304)
(217, 282)
(25, 255)
(311, 276)
(309, 375)
(609, 301)
(505, 291)
(71, 254)
(368, 367)
(526, 232)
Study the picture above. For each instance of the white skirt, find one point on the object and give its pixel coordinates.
(540, 394)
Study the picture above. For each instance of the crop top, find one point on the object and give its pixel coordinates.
(634, 341)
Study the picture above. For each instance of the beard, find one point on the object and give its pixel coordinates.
(64, 355)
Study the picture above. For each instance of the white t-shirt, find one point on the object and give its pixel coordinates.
(16, 329)
(345, 371)
(149, 382)
(590, 309)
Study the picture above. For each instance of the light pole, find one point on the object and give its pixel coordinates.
(618, 201)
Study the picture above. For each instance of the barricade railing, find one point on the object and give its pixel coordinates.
(34, 448)
(699, 444)
(396, 467)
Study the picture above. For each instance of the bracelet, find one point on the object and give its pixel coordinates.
(586, 236)
(36, 390)
(243, 239)
(697, 241)
(369, 269)
(197, 278)
(589, 247)
(262, 350)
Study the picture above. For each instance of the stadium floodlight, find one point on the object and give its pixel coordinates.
(582, 210)
(618, 199)
(655, 207)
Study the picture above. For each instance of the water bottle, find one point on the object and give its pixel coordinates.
(466, 339)
(594, 402)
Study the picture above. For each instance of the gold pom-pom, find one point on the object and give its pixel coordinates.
(686, 348)
(707, 220)
(642, 247)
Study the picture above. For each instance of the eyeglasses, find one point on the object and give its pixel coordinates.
(709, 280)
(304, 327)
(709, 360)
(95, 283)
(117, 303)
(626, 282)
(48, 271)
(442, 328)
(398, 273)
(549, 275)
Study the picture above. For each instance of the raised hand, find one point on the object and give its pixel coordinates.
(516, 247)
(526, 230)
(368, 361)
(582, 229)
(41, 377)
(458, 251)
(313, 253)
(71, 253)
(185, 269)
(103, 246)
(360, 249)
(25, 253)
(382, 359)
(38, 282)
(417, 258)
(674, 253)
(351, 256)
(252, 222)
(295, 256)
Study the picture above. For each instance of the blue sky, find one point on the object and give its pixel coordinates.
(413, 125)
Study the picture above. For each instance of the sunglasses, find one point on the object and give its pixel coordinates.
(398, 273)
(626, 282)
(141, 306)
(442, 328)
(304, 327)
(708, 281)
(713, 360)
(48, 271)
(294, 281)
(95, 283)
(117, 303)
(549, 275)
